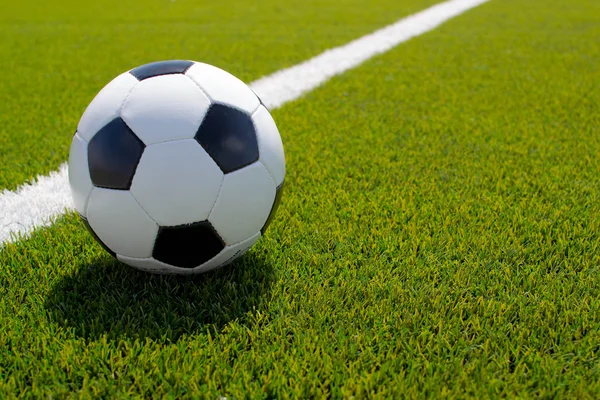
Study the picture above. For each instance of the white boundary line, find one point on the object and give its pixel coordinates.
(38, 203)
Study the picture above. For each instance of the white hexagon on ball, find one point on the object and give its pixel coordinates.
(244, 203)
(106, 106)
(121, 223)
(229, 254)
(270, 146)
(177, 182)
(222, 87)
(164, 108)
(79, 174)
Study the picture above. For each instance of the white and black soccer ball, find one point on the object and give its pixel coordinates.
(176, 167)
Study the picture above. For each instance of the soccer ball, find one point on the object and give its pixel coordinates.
(176, 167)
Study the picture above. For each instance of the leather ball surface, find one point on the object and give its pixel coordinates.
(176, 167)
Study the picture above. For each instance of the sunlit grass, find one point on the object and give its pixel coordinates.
(439, 237)
(56, 55)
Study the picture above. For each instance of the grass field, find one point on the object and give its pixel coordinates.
(61, 53)
(439, 234)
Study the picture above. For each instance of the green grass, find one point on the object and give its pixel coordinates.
(439, 237)
(58, 54)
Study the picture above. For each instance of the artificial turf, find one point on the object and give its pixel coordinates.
(438, 237)
(56, 55)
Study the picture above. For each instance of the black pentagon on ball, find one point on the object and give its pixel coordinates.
(91, 231)
(113, 155)
(229, 137)
(278, 194)
(187, 246)
(161, 68)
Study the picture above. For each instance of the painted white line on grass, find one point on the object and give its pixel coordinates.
(34, 204)
(38, 203)
(289, 84)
